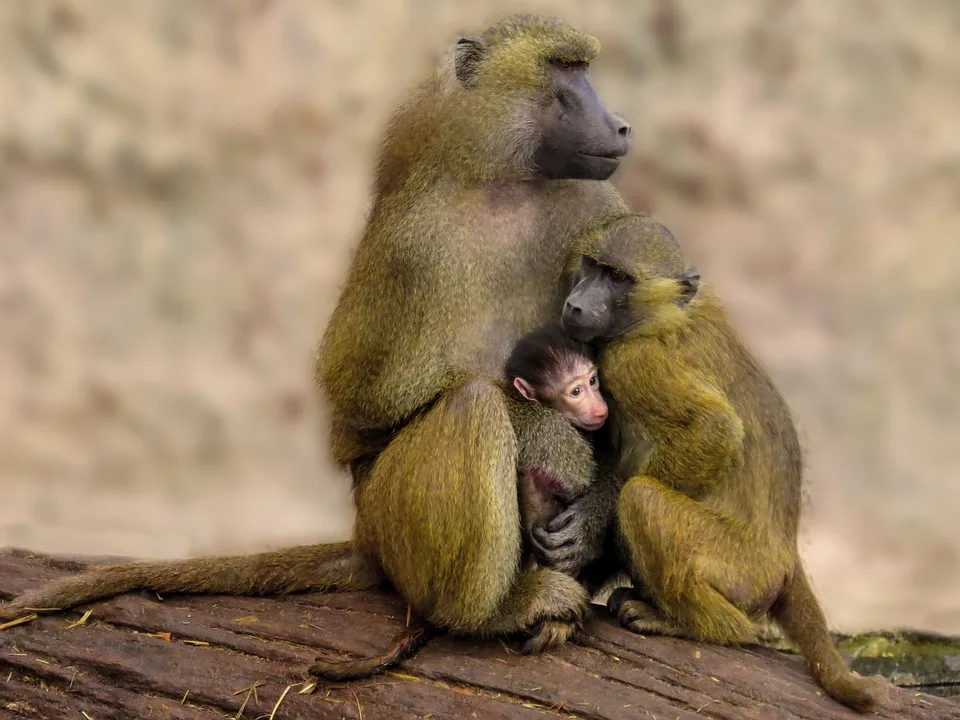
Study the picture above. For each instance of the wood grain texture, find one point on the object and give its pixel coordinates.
(193, 658)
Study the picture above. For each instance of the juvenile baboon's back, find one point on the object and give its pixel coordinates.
(771, 444)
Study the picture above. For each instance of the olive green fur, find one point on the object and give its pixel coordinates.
(332, 566)
(707, 521)
(484, 133)
(463, 252)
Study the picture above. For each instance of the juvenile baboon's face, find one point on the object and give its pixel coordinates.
(597, 307)
(607, 301)
(580, 138)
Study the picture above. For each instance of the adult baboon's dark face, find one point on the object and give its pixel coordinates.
(607, 301)
(580, 139)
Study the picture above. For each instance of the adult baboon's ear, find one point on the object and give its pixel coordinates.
(689, 285)
(466, 58)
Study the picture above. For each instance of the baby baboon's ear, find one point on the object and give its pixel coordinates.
(689, 285)
(525, 389)
(466, 58)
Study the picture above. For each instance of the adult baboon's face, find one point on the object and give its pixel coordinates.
(580, 139)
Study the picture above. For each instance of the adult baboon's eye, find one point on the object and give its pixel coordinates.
(618, 275)
(565, 98)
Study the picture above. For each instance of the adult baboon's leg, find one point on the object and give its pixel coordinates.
(439, 509)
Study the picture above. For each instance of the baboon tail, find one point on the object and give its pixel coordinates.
(401, 647)
(307, 567)
(799, 614)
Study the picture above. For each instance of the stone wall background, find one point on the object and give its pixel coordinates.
(182, 184)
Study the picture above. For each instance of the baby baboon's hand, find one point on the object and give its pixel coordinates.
(569, 542)
(575, 537)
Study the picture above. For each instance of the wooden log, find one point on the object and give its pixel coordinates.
(205, 657)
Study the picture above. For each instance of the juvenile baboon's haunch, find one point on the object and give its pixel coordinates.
(707, 521)
(485, 177)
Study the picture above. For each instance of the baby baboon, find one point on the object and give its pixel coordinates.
(549, 367)
(707, 521)
(487, 174)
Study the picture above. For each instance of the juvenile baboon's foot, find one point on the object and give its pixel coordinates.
(550, 634)
(639, 617)
(864, 694)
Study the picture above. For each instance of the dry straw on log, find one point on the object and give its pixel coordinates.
(200, 658)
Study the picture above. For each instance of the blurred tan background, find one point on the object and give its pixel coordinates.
(182, 183)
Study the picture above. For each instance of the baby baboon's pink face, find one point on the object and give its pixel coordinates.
(578, 397)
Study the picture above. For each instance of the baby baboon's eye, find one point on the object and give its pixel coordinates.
(594, 380)
(577, 391)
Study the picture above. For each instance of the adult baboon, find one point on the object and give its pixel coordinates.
(707, 521)
(486, 175)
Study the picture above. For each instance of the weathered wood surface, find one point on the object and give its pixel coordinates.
(193, 658)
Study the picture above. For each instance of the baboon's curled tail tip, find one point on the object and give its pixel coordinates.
(9, 612)
(863, 694)
(403, 646)
(799, 614)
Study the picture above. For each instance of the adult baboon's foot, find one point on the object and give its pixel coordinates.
(548, 604)
(550, 634)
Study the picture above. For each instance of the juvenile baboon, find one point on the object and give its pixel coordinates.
(486, 175)
(707, 521)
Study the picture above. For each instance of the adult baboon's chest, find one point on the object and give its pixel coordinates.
(511, 262)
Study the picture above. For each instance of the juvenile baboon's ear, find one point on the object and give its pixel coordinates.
(466, 58)
(689, 285)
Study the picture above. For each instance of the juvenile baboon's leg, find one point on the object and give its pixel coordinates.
(308, 567)
(705, 574)
(440, 511)
(707, 577)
